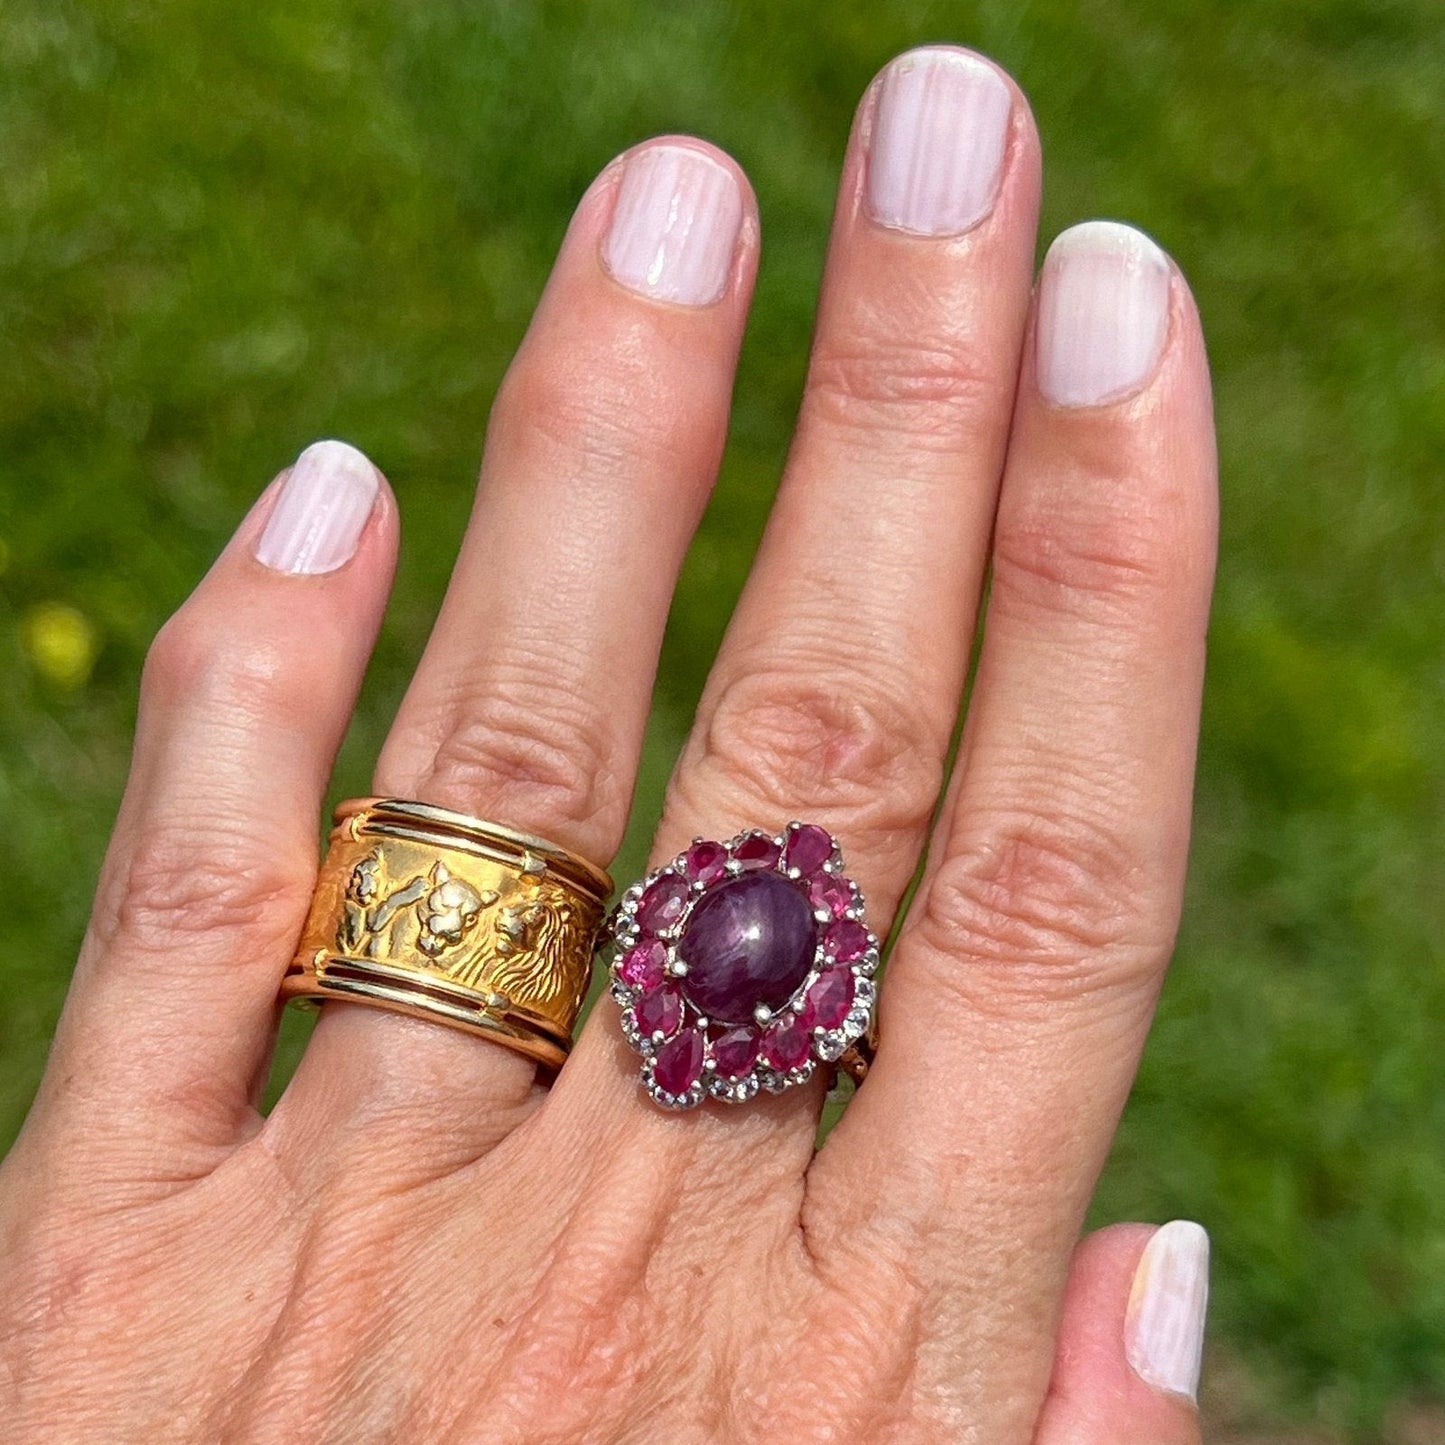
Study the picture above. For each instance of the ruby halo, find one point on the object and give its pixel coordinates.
(743, 965)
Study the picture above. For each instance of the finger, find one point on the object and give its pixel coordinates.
(529, 705)
(245, 696)
(836, 688)
(1130, 1339)
(1021, 989)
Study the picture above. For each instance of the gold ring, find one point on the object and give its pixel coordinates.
(435, 914)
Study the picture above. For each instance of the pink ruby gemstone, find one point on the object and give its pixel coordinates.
(663, 903)
(829, 1000)
(787, 1046)
(831, 894)
(757, 850)
(644, 966)
(678, 1063)
(705, 862)
(809, 847)
(735, 1052)
(658, 1012)
(846, 940)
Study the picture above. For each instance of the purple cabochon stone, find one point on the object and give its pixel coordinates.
(750, 941)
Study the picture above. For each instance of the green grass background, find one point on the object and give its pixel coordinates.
(227, 230)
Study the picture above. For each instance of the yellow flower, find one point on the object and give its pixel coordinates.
(61, 643)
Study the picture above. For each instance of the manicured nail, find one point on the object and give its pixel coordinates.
(1164, 1326)
(318, 519)
(674, 225)
(1103, 314)
(937, 149)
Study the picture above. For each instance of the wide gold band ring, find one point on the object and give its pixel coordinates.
(435, 914)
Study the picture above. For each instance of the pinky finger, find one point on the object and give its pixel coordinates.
(1127, 1368)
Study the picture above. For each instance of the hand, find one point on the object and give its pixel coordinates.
(420, 1244)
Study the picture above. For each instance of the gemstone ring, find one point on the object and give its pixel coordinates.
(744, 965)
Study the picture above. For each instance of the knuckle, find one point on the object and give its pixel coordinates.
(1049, 902)
(587, 402)
(211, 890)
(540, 760)
(870, 764)
(881, 380)
(193, 660)
(1114, 558)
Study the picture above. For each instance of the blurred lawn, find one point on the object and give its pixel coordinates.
(227, 230)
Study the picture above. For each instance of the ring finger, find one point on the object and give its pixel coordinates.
(529, 704)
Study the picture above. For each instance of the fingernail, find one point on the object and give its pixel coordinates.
(1164, 1326)
(1103, 314)
(674, 225)
(937, 148)
(318, 519)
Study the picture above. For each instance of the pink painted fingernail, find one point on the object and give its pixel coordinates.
(1103, 314)
(936, 153)
(317, 521)
(674, 225)
(1164, 1325)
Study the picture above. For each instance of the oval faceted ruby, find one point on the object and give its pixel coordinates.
(663, 904)
(809, 847)
(705, 862)
(829, 999)
(757, 850)
(830, 893)
(658, 1012)
(787, 1045)
(750, 941)
(678, 1063)
(644, 966)
(735, 1052)
(846, 940)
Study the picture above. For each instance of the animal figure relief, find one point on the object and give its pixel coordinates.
(433, 913)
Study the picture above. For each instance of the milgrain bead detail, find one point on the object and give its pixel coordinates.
(1164, 1325)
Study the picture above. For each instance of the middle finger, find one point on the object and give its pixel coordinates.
(838, 684)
